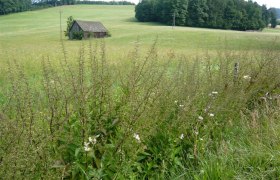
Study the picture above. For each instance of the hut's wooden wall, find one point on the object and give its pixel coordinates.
(100, 34)
(95, 34)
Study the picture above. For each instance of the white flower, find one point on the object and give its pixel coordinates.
(196, 132)
(182, 136)
(214, 92)
(176, 102)
(137, 137)
(86, 144)
(92, 140)
(181, 105)
(87, 149)
(247, 77)
(200, 118)
(211, 114)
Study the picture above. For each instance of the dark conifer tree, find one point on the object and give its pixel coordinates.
(225, 14)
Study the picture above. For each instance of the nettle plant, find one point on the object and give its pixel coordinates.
(148, 116)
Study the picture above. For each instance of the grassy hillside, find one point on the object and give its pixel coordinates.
(150, 102)
(22, 31)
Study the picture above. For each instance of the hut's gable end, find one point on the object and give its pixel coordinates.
(75, 28)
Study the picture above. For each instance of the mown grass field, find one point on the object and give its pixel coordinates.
(37, 32)
(29, 36)
(150, 102)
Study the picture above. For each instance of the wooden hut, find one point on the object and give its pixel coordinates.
(87, 29)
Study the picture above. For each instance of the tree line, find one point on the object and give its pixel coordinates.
(13, 6)
(220, 14)
(106, 2)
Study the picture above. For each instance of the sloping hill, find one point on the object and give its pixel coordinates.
(19, 31)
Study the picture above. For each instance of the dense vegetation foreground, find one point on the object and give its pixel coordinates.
(189, 104)
(152, 116)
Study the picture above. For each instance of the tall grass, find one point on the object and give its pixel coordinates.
(153, 115)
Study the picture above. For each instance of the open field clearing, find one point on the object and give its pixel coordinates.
(37, 32)
(150, 102)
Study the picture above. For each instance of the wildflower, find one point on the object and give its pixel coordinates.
(86, 146)
(87, 149)
(196, 132)
(200, 139)
(247, 77)
(176, 102)
(181, 105)
(182, 136)
(200, 118)
(137, 137)
(90, 139)
(214, 92)
(211, 114)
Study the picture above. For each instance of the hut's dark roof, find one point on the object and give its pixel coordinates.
(91, 26)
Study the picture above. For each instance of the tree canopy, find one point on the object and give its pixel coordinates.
(223, 14)
(11, 6)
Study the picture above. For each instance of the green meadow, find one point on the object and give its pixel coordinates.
(38, 32)
(149, 102)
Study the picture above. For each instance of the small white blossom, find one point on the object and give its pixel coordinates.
(137, 137)
(86, 144)
(247, 77)
(200, 139)
(92, 140)
(181, 105)
(200, 118)
(182, 136)
(214, 92)
(176, 102)
(196, 132)
(211, 114)
(87, 149)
